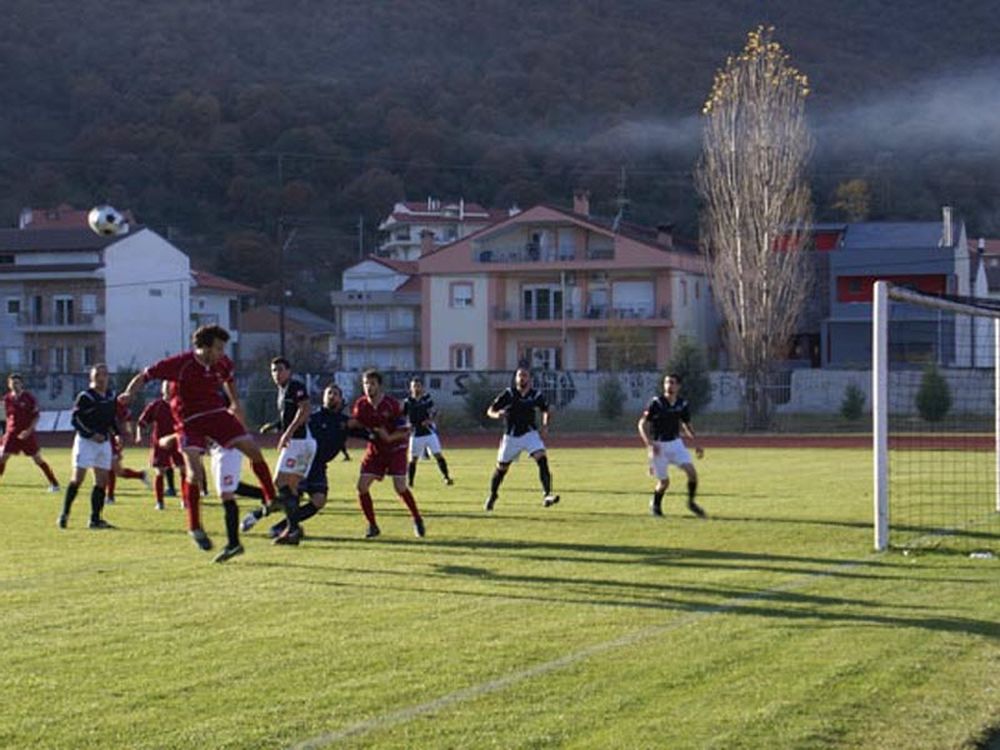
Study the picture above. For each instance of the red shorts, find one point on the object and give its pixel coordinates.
(220, 426)
(165, 458)
(378, 463)
(12, 444)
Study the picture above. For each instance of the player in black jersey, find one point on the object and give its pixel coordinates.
(660, 427)
(517, 406)
(419, 409)
(95, 423)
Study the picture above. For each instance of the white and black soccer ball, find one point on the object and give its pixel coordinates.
(107, 221)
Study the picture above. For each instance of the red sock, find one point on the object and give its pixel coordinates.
(411, 504)
(367, 507)
(111, 483)
(264, 477)
(47, 471)
(193, 497)
(131, 474)
(184, 492)
(158, 487)
(3, 466)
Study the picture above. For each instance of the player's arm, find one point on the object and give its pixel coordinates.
(27, 431)
(234, 400)
(546, 413)
(401, 433)
(301, 417)
(499, 406)
(82, 411)
(644, 429)
(688, 431)
(133, 385)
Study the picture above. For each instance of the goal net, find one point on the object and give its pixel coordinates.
(936, 426)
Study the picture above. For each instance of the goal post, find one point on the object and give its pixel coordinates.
(935, 476)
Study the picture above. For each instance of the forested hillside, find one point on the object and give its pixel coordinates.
(213, 118)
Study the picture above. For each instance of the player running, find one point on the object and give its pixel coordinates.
(22, 417)
(158, 417)
(124, 421)
(419, 410)
(660, 427)
(517, 406)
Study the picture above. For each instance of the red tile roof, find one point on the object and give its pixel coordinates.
(407, 267)
(207, 280)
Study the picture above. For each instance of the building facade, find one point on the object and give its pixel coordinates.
(447, 221)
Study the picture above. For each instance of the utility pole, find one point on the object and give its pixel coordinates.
(361, 237)
(284, 243)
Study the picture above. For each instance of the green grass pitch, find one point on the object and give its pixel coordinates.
(587, 625)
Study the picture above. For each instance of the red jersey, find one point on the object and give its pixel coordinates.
(157, 414)
(21, 411)
(388, 415)
(197, 388)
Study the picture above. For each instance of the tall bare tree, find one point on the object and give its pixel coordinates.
(756, 213)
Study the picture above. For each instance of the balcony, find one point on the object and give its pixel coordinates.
(532, 253)
(392, 337)
(50, 323)
(598, 314)
(379, 298)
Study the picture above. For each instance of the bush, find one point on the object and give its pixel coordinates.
(610, 398)
(852, 408)
(688, 361)
(479, 394)
(934, 396)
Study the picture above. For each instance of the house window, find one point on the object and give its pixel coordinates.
(542, 357)
(88, 304)
(62, 311)
(684, 292)
(697, 290)
(12, 357)
(89, 354)
(155, 292)
(60, 359)
(461, 357)
(13, 306)
(461, 294)
(541, 303)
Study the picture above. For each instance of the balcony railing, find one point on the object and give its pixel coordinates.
(531, 253)
(523, 313)
(397, 336)
(28, 321)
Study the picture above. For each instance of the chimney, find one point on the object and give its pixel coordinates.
(427, 244)
(581, 202)
(665, 234)
(948, 237)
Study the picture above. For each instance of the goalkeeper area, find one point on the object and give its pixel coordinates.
(936, 426)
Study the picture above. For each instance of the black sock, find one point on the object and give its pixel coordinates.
(442, 464)
(306, 512)
(232, 514)
(169, 474)
(96, 503)
(70, 496)
(411, 470)
(544, 475)
(496, 481)
(658, 498)
(692, 490)
(290, 502)
(249, 490)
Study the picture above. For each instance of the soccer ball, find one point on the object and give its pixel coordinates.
(107, 221)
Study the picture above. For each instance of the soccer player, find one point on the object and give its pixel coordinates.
(203, 379)
(419, 410)
(517, 405)
(124, 418)
(95, 423)
(660, 427)
(22, 418)
(382, 416)
(160, 420)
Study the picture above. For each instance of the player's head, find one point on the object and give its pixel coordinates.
(15, 382)
(99, 377)
(371, 383)
(672, 383)
(210, 342)
(416, 387)
(333, 397)
(281, 370)
(522, 378)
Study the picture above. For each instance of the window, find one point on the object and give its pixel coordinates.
(6, 260)
(13, 306)
(60, 359)
(234, 313)
(461, 357)
(684, 292)
(542, 357)
(155, 292)
(12, 358)
(62, 312)
(88, 304)
(89, 354)
(542, 303)
(461, 294)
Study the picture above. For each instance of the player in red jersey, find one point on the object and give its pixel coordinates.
(124, 418)
(160, 420)
(203, 379)
(22, 417)
(382, 416)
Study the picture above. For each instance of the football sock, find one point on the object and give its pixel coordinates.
(71, 490)
(412, 470)
(169, 474)
(248, 490)
(264, 477)
(411, 504)
(96, 503)
(290, 502)
(367, 507)
(158, 487)
(192, 496)
(544, 475)
(111, 483)
(658, 498)
(442, 464)
(307, 511)
(692, 489)
(496, 481)
(47, 471)
(3, 467)
(232, 515)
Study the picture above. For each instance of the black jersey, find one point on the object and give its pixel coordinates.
(95, 413)
(520, 416)
(290, 396)
(418, 411)
(329, 428)
(666, 418)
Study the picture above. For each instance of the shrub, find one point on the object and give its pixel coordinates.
(610, 398)
(934, 396)
(853, 406)
(688, 361)
(479, 394)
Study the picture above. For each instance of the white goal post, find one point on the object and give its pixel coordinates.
(883, 293)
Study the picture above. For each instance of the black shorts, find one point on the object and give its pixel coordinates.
(315, 480)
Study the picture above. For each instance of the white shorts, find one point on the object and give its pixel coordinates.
(297, 456)
(89, 454)
(424, 446)
(670, 452)
(511, 447)
(227, 465)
